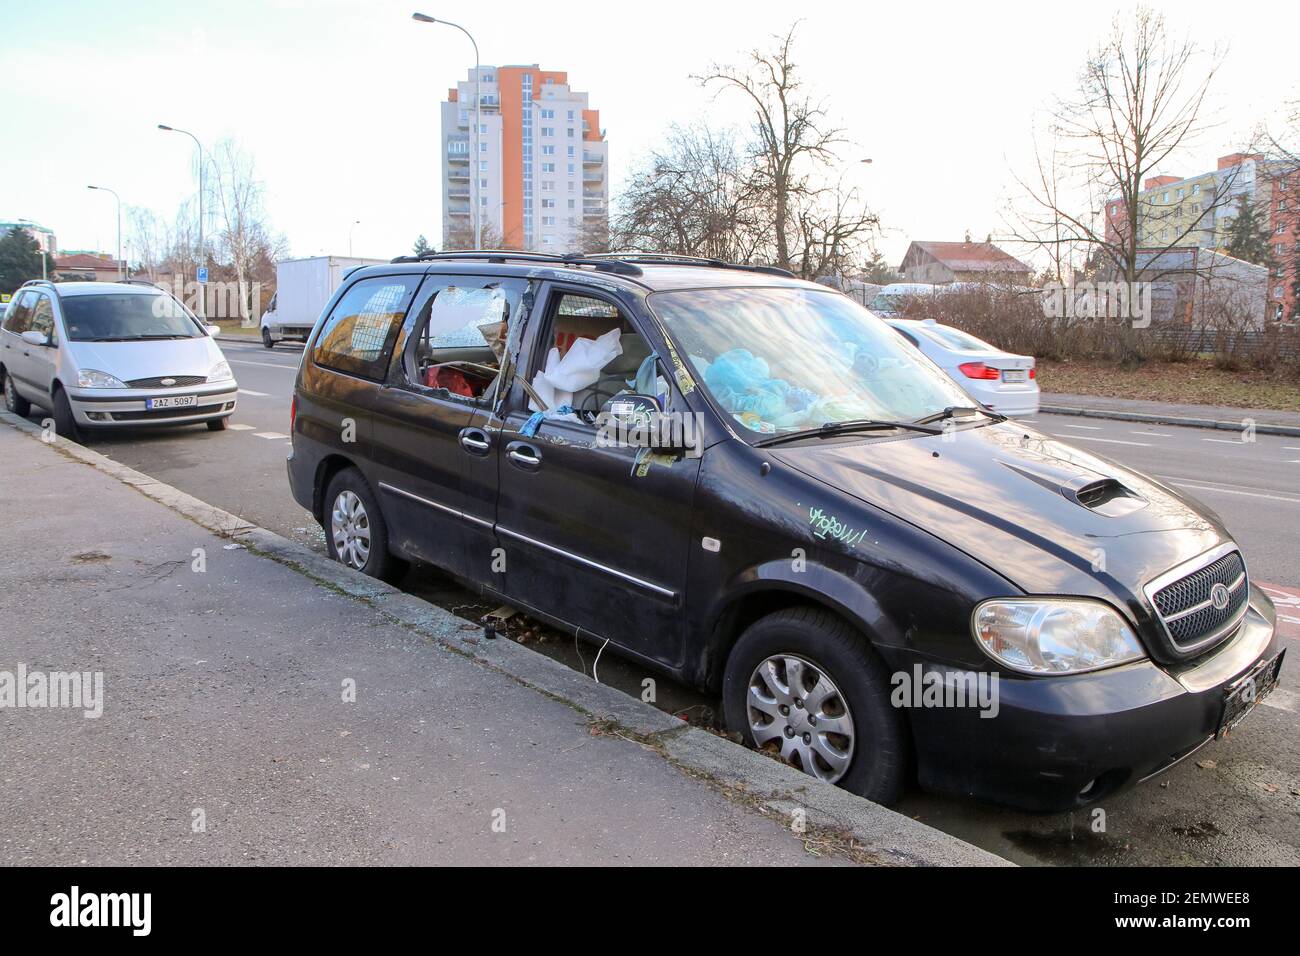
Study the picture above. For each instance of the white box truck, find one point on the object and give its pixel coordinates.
(302, 287)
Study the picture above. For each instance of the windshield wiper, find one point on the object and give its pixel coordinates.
(841, 428)
(953, 410)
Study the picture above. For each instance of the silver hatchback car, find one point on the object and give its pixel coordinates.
(111, 354)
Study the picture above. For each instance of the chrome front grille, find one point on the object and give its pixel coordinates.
(167, 381)
(1200, 608)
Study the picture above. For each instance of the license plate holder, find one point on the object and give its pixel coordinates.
(172, 401)
(1015, 376)
(1248, 693)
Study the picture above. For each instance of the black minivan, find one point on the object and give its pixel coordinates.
(753, 484)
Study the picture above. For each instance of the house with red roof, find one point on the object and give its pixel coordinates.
(85, 267)
(939, 263)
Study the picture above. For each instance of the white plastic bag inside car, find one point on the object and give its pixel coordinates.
(578, 369)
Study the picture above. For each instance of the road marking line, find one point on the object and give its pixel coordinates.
(241, 427)
(1227, 441)
(1229, 491)
(249, 391)
(1091, 428)
(1152, 434)
(292, 368)
(269, 435)
(1109, 441)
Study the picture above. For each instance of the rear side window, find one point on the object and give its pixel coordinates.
(20, 313)
(357, 338)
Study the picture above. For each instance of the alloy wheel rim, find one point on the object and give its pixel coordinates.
(350, 529)
(792, 704)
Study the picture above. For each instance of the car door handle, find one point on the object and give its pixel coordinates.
(475, 441)
(524, 455)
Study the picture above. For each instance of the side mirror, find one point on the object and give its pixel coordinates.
(32, 337)
(639, 421)
(213, 330)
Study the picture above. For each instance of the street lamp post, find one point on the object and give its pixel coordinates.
(44, 267)
(473, 165)
(172, 129)
(120, 264)
(355, 223)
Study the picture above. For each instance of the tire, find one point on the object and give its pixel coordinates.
(872, 759)
(348, 490)
(65, 425)
(267, 341)
(13, 401)
(218, 424)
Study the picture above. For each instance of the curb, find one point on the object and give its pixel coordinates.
(1261, 428)
(867, 831)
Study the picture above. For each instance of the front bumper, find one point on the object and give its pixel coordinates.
(128, 407)
(1062, 742)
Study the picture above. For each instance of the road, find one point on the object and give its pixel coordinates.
(1235, 803)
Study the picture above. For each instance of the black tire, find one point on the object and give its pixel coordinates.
(65, 425)
(878, 766)
(218, 424)
(267, 341)
(379, 563)
(13, 401)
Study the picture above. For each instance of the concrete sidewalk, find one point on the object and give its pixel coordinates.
(1267, 421)
(226, 702)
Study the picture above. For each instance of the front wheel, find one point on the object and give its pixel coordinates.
(13, 401)
(217, 424)
(267, 341)
(804, 685)
(65, 424)
(355, 530)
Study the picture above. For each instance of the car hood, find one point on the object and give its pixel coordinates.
(1009, 497)
(132, 360)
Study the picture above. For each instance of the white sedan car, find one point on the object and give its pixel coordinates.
(1004, 382)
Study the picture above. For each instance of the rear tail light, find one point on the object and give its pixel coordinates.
(1033, 372)
(979, 370)
(293, 412)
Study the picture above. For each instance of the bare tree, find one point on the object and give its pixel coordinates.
(793, 143)
(243, 234)
(692, 197)
(1141, 97)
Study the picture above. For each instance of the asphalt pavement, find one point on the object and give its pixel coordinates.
(1236, 803)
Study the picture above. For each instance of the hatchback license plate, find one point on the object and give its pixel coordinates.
(172, 401)
(1248, 694)
(1015, 375)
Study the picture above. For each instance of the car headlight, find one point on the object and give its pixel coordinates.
(220, 372)
(93, 378)
(1054, 635)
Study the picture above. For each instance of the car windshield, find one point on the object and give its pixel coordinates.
(125, 317)
(785, 360)
(956, 339)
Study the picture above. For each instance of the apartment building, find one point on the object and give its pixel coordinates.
(1197, 212)
(539, 175)
(1193, 210)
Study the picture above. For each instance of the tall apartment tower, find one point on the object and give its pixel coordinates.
(541, 171)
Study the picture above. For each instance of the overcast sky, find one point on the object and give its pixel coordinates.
(337, 99)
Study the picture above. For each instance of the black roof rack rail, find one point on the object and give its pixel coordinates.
(136, 280)
(672, 258)
(507, 255)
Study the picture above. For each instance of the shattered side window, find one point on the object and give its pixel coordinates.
(466, 329)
